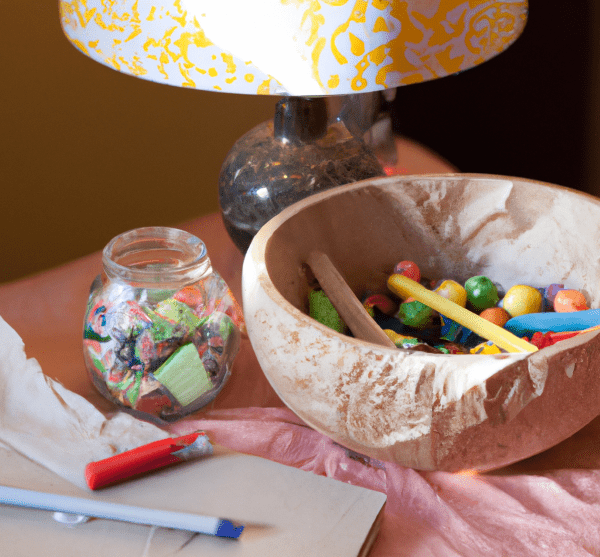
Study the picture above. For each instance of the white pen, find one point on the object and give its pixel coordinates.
(113, 511)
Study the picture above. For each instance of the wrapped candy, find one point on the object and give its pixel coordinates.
(162, 328)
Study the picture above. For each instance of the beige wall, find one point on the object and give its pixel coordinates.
(87, 152)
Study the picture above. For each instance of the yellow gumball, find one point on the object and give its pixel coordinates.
(453, 291)
(521, 299)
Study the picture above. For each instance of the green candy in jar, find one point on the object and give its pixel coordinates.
(481, 292)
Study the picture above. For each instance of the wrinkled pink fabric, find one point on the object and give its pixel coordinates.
(502, 513)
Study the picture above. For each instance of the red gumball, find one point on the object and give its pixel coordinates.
(408, 269)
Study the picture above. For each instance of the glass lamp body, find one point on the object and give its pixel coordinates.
(161, 328)
(285, 160)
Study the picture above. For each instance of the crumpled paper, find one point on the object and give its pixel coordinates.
(53, 426)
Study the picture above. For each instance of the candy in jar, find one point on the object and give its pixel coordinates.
(162, 328)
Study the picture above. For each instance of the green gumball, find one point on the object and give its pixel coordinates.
(481, 292)
(415, 314)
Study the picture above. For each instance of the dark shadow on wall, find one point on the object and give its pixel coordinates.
(523, 113)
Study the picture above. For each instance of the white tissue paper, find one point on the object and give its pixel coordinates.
(53, 426)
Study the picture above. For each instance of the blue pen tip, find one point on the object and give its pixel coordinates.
(227, 529)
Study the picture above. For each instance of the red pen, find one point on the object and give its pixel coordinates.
(146, 458)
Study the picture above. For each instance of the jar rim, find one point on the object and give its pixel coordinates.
(189, 262)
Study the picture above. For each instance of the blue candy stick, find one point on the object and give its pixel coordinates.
(526, 325)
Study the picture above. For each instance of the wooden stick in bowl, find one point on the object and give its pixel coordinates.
(345, 301)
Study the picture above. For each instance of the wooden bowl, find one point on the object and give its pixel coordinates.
(428, 411)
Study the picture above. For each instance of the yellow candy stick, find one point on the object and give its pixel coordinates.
(405, 287)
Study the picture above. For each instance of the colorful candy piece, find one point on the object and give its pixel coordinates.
(125, 353)
(415, 314)
(430, 334)
(145, 349)
(454, 332)
(216, 332)
(401, 341)
(487, 347)
(95, 324)
(526, 325)
(126, 320)
(229, 305)
(557, 337)
(567, 300)
(212, 294)
(408, 269)
(549, 294)
(216, 341)
(541, 340)
(380, 301)
(451, 348)
(522, 299)
(453, 291)
(481, 292)
(499, 316)
(178, 312)
(155, 401)
(192, 296)
(184, 375)
(164, 329)
(410, 343)
(322, 310)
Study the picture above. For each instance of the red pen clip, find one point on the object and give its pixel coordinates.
(146, 458)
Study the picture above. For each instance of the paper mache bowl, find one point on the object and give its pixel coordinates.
(429, 411)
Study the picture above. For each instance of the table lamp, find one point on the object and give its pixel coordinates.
(331, 61)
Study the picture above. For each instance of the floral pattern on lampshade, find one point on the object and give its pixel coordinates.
(299, 47)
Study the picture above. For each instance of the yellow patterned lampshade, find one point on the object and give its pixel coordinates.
(292, 47)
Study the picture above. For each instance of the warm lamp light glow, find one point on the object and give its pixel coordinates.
(467, 473)
(300, 48)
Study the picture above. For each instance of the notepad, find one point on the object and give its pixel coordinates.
(285, 511)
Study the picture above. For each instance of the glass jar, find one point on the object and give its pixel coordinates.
(161, 328)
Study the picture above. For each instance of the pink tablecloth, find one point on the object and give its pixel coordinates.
(547, 505)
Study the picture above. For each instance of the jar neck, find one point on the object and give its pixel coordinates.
(156, 257)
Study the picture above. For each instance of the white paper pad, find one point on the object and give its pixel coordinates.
(285, 511)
